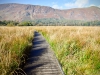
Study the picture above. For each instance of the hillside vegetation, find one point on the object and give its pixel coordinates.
(77, 48)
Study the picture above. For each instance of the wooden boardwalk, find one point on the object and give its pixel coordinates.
(42, 60)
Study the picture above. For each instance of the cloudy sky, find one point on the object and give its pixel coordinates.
(58, 4)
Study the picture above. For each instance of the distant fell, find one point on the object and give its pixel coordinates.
(25, 12)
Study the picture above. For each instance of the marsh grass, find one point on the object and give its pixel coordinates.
(77, 48)
(13, 42)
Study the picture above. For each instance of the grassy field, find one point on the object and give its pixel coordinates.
(13, 43)
(77, 48)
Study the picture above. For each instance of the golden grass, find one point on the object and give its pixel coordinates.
(13, 41)
(77, 48)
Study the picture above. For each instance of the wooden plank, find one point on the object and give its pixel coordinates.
(42, 60)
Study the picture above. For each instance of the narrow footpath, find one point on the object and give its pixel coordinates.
(42, 60)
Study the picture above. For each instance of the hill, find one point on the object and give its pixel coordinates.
(23, 12)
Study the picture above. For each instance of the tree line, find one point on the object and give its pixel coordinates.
(15, 23)
(50, 22)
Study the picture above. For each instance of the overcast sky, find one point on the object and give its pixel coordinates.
(58, 4)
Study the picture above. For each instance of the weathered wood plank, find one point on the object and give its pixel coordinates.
(42, 60)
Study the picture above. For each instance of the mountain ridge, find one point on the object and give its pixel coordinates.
(24, 12)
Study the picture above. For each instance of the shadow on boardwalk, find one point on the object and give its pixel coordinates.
(41, 60)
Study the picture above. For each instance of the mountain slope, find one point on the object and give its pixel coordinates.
(20, 12)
